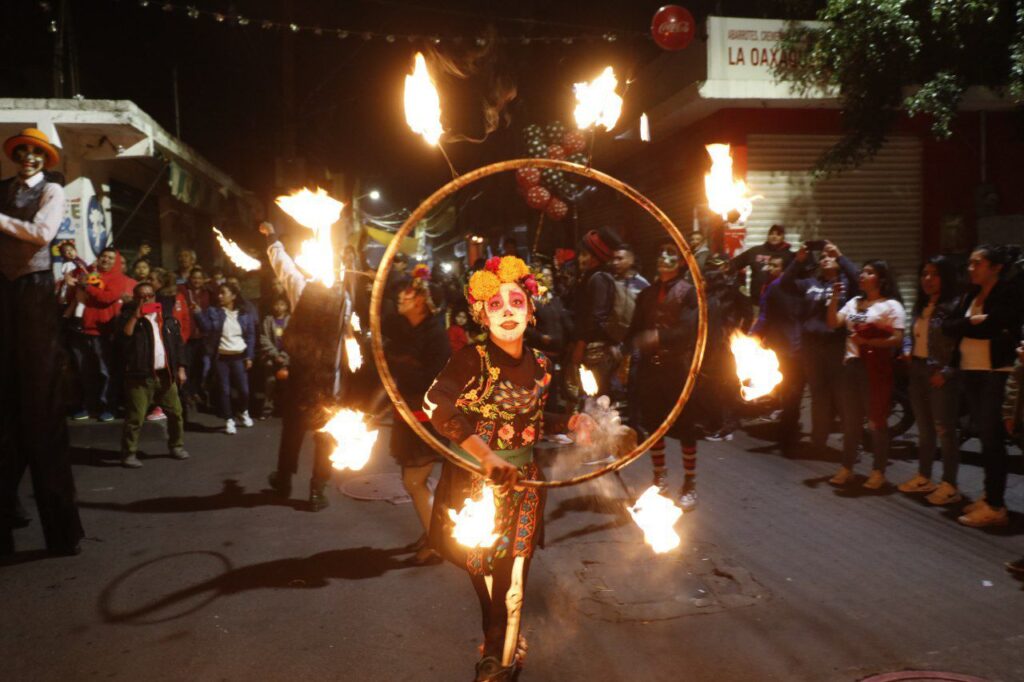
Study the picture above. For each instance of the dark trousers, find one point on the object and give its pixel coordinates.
(935, 412)
(33, 430)
(197, 365)
(790, 395)
(823, 367)
(857, 406)
(985, 391)
(94, 356)
(493, 608)
(231, 373)
(296, 421)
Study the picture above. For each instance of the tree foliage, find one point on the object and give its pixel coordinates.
(918, 56)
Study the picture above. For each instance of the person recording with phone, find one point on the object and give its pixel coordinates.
(154, 355)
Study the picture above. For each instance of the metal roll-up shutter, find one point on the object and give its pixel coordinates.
(871, 212)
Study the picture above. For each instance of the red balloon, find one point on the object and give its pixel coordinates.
(556, 209)
(528, 177)
(537, 198)
(573, 141)
(556, 151)
(673, 27)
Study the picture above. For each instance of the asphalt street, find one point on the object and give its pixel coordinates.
(193, 571)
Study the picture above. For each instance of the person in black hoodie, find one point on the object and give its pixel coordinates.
(987, 325)
(154, 354)
(778, 324)
(756, 258)
(821, 347)
(595, 344)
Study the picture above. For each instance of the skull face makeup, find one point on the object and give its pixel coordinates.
(668, 258)
(507, 312)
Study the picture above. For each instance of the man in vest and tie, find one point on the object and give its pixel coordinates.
(33, 431)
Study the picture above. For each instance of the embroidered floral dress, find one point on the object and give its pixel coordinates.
(485, 391)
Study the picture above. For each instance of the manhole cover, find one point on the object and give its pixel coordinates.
(387, 487)
(622, 584)
(921, 676)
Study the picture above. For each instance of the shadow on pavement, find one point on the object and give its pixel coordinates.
(356, 563)
(598, 504)
(93, 457)
(232, 496)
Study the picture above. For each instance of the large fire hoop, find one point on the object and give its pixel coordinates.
(455, 185)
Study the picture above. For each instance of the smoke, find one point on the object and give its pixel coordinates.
(608, 440)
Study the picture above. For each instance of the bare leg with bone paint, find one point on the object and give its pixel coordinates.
(501, 599)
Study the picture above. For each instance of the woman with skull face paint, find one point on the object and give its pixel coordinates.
(663, 331)
(489, 401)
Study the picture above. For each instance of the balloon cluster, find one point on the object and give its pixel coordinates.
(550, 190)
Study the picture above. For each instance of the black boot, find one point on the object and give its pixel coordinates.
(318, 495)
(280, 483)
(489, 669)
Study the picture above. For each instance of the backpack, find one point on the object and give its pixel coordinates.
(622, 311)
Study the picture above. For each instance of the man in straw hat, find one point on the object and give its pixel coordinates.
(33, 432)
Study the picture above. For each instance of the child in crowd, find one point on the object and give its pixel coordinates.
(273, 356)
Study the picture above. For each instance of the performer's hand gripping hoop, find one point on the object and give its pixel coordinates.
(462, 181)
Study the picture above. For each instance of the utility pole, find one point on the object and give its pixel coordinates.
(58, 52)
(177, 102)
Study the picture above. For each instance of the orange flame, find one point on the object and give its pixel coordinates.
(756, 366)
(422, 103)
(597, 103)
(235, 253)
(353, 440)
(588, 382)
(353, 353)
(474, 524)
(657, 515)
(317, 211)
(724, 193)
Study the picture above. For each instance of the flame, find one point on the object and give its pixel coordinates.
(422, 103)
(474, 525)
(354, 441)
(235, 254)
(645, 128)
(756, 366)
(656, 515)
(356, 324)
(724, 193)
(353, 353)
(596, 101)
(587, 381)
(317, 211)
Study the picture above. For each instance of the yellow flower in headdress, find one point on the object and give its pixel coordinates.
(483, 284)
(512, 269)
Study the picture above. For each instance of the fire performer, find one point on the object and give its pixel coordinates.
(663, 328)
(315, 342)
(33, 431)
(489, 402)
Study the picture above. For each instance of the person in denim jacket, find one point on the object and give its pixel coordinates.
(230, 333)
(933, 385)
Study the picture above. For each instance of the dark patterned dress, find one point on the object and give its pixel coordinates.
(485, 391)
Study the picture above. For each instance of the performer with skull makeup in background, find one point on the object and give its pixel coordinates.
(663, 330)
(489, 402)
(33, 431)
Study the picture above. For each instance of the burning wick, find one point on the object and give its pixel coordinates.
(756, 366)
(597, 103)
(235, 254)
(645, 128)
(356, 325)
(353, 353)
(422, 103)
(724, 193)
(354, 441)
(656, 515)
(317, 211)
(587, 381)
(474, 525)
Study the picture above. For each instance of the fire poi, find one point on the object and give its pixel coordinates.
(757, 367)
(353, 439)
(656, 515)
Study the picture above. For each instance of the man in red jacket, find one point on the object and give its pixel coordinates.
(102, 293)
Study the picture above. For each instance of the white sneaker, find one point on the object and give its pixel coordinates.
(229, 427)
(984, 515)
(918, 484)
(688, 500)
(944, 494)
(246, 419)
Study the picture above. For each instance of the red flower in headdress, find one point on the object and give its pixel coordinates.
(493, 263)
(563, 256)
(421, 271)
(530, 284)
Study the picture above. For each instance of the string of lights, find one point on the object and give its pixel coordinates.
(236, 19)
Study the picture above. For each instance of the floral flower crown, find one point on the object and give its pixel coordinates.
(497, 271)
(421, 284)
